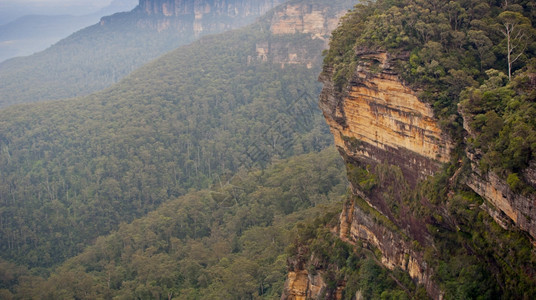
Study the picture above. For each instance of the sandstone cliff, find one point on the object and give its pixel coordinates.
(316, 21)
(393, 140)
(386, 117)
(507, 207)
(378, 122)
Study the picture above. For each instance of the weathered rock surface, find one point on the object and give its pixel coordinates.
(386, 119)
(301, 285)
(518, 208)
(315, 20)
(377, 120)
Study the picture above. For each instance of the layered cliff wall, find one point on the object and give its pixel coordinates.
(507, 206)
(314, 20)
(378, 122)
(387, 119)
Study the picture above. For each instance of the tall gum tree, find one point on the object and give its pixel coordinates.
(518, 33)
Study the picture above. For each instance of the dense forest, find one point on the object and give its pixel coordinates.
(73, 170)
(224, 243)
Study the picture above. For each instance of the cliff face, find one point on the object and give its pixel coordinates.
(196, 16)
(301, 285)
(315, 20)
(390, 124)
(207, 8)
(381, 128)
(376, 122)
(507, 206)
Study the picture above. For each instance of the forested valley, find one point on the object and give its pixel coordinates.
(227, 242)
(73, 170)
(76, 169)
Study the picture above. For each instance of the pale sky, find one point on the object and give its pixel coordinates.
(11, 9)
(58, 3)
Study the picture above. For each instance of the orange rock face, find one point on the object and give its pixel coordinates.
(377, 120)
(297, 285)
(301, 18)
(382, 113)
(315, 20)
(300, 285)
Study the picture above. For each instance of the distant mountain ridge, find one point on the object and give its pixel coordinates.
(97, 56)
(197, 16)
(37, 31)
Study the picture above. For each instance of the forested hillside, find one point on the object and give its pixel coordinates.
(225, 243)
(202, 175)
(87, 61)
(73, 170)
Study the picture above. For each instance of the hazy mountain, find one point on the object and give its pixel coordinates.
(32, 33)
(11, 10)
(99, 55)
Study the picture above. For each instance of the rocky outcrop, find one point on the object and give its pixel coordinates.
(378, 121)
(316, 21)
(301, 285)
(386, 119)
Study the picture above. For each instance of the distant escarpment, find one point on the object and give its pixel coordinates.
(196, 16)
(109, 50)
(315, 20)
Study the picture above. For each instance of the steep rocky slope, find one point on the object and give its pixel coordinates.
(317, 20)
(456, 214)
(379, 122)
(507, 206)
